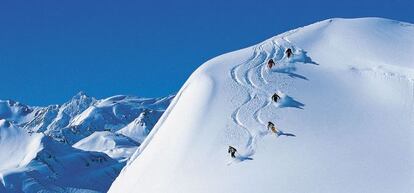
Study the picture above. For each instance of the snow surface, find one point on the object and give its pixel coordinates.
(116, 146)
(347, 95)
(58, 167)
(17, 147)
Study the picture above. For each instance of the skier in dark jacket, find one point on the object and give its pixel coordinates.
(270, 63)
(289, 52)
(232, 151)
(275, 98)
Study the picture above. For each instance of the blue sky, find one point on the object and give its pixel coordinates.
(50, 50)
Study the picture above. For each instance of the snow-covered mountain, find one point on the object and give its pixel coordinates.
(347, 93)
(82, 115)
(35, 162)
(36, 142)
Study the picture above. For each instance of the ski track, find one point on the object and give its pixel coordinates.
(262, 68)
(256, 61)
(257, 113)
(236, 119)
(234, 76)
(248, 76)
(248, 84)
(235, 114)
(264, 55)
(253, 80)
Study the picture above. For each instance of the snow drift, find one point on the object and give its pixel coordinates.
(347, 94)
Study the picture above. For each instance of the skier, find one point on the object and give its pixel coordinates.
(271, 126)
(232, 151)
(289, 52)
(275, 98)
(270, 64)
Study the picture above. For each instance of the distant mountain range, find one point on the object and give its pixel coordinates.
(80, 145)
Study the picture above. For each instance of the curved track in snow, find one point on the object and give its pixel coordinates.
(239, 81)
(237, 121)
(246, 81)
(277, 54)
(250, 75)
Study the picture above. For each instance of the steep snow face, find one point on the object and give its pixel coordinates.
(347, 93)
(17, 147)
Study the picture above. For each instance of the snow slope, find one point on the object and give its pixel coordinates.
(115, 145)
(347, 94)
(58, 167)
(17, 147)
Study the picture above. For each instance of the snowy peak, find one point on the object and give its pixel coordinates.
(77, 104)
(80, 95)
(139, 129)
(13, 111)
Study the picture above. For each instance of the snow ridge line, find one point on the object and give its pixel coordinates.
(156, 127)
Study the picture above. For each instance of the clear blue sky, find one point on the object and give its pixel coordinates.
(50, 50)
